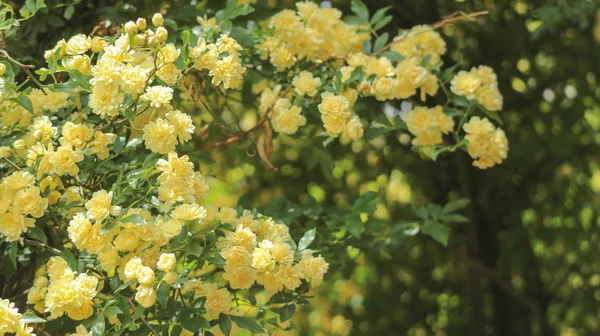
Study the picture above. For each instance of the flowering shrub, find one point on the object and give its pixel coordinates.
(99, 184)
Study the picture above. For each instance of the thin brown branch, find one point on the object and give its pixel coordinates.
(26, 67)
(219, 125)
(258, 125)
(143, 319)
(11, 163)
(40, 245)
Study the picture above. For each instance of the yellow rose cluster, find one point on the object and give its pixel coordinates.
(18, 117)
(480, 84)
(312, 33)
(487, 144)
(258, 251)
(68, 292)
(428, 125)
(11, 320)
(222, 59)
(21, 202)
(338, 117)
(419, 42)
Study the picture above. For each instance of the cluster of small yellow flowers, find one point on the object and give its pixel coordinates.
(13, 115)
(338, 117)
(399, 82)
(76, 141)
(428, 125)
(11, 320)
(37, 293)
(286, 118)
(162, 135)
(258, 251)
(305, 84)
(487, 144)
(146, 294)
(222, 59)
(480, 84)
(421, 41)
(20, 200)
(178, 182)
(311, 33)
(68, 292)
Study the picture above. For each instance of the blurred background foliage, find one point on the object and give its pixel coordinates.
(527, 261)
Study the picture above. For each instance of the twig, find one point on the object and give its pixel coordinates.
(454, 17)
(143, 319)
(25, 241)
(258, 125)
(11, 163)
(26, 67)
(221, 128)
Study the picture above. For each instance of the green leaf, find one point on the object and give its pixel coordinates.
(421, 212)
(125, 285)
(382, 23)
(112, 311)
(379, 14)
(354, 225)
(286, 312)
(328, 141)
(12, 253)
(392, 56)
(306, 240)
(69, 12)
(448, 74)
(162, 295)
(31, 318)
(425, 61)
(367, 47)
(375, 132)
(193, 322)
(247, 323)
(24, 101)
(98, 326)
(360, 9)
(494, 115)
(282, 297)
(225, 324)
(37, 234)
(380, 42)
(69, 87)
(69, 258)
(80, 79)
(124, 306)
(437, 231)
(194, 249)
(460, 203)
(119, 144)
(365, 203)
(240, 11)
(135, 219)
(454, 218)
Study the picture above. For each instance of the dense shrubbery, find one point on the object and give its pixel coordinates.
(103, 205)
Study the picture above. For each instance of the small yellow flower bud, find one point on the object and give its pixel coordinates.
(140, 39)
(170, 278)
(161, 34)
(131, 28)
(98, 44)
(158, 20)
(141, 23)
(2, 69)
(5, 151)
(19, 144)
